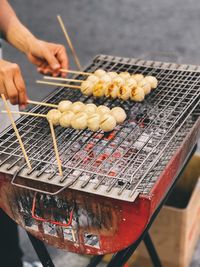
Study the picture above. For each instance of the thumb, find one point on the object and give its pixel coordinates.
(52, 60)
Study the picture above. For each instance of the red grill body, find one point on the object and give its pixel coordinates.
(100, 224)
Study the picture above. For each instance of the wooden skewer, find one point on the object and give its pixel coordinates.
(64, 29)
(59, 84)
(26, 113)
(62, 79)
(42, 104)
(55, 148)
(16, 131)
(73, 235)
(76, 72)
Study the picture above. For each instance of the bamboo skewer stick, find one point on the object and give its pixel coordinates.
(19, 138)
(62, 79)
(69, 42)
(59, 84)
(76, 72)
(55, 148)
(42, 104)
(26, 113)
(73, 235)
(16, 131)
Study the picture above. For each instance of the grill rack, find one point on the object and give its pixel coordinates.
(130, 159)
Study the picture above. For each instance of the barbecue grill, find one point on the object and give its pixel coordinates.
(112, 182)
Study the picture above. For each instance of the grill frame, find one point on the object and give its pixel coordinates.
(138, 63)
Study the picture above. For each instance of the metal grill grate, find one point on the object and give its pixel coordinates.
(127, 161)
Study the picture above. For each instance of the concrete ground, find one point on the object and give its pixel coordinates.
(119, 27)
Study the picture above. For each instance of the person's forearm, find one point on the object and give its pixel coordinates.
(13, 30)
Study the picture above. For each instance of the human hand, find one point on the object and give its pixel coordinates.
(48, 57)
(12, 84)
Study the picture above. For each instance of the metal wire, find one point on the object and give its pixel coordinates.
(120, 160)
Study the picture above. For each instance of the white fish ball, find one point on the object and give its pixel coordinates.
(54, 116)
(137, 94)
(101, 110)
(119, 114)
(152, 80)
(66, 118)
(107, 123)
(99, 72)
(79, 121)
(64, 105)
(87, 87)
(77, 107)
(93, 122)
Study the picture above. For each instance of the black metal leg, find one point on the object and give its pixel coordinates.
(152, 251)
(95, 261)
(120, 258)
(41, 251)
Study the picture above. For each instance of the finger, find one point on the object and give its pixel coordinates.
(45, 70)
(11, 90)
(21, 88)
(35, 60)
(42, 67)
(3, 89)
(63, 60)
(52, 60)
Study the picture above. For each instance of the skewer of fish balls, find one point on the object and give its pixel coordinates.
(123, 86)
(111, 84)
(81, 116)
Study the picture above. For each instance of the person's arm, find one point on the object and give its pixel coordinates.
(12, 29)
(48, 57)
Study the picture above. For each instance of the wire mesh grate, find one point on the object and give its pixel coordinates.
(121, 160)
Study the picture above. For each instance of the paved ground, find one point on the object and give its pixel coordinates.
(119, 27)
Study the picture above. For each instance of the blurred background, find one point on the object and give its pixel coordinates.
(126, 28)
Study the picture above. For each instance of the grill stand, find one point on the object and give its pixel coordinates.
(121, 257)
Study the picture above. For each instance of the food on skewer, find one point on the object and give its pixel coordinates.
(79, 121)
(77, 107)
(66, 118)
(119, 81)
(131, 82)
(125, 75)
(99, 72)
(90, 109)
(64, 105)
(112, 90)
(137, 94)
(105, 79)
(93, 122)
(145, 85)
(107, 122)
(87, 87)
(81, 116)
(101, 110)
(152, 80)
(114, 85)
(99, 89)
(119, 114)
(112, 74)
(54, 116)
(93, 78)
(138, 77)
(124, 92)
